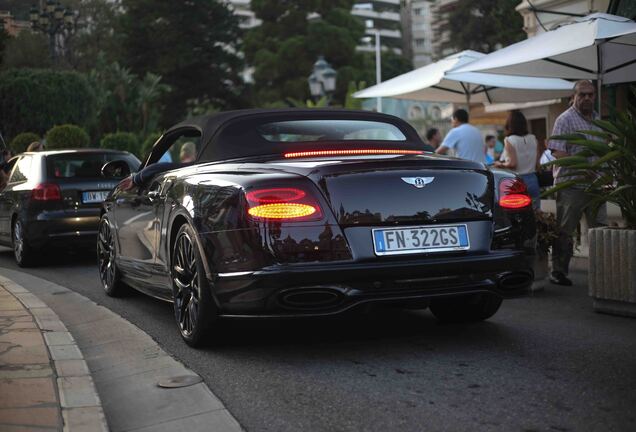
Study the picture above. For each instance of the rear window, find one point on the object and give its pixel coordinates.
(329, 130)
(84, 165)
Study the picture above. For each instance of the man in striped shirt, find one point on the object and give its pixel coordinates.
(572, 203)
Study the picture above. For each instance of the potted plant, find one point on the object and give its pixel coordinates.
(611, 178)
(547, 232)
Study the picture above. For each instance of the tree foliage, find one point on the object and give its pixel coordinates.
(121, 141)
(67, 136)
(97, 35)
(484, 25)
(124, 101)
(193, 45)
(22, 140)
(27, 50)
(4, 38)
(284, 48)
(147, 144)
(34, 100)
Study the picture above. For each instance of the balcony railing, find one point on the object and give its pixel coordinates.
(371, 14)
(385, 33)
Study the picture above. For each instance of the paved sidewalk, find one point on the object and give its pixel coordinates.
(44, 381)
(139, 387)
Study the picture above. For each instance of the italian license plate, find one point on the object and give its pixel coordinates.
(420, 239)
(94, 196)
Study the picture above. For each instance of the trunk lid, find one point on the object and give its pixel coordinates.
(406, 194)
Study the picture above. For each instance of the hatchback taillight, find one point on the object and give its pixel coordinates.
(513, 194)
(282, 204)
(46, 192)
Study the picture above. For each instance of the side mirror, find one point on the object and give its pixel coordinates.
(116, 169)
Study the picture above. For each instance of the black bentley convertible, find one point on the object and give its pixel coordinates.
(287, 213)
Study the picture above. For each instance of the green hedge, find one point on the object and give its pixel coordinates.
(66, 136)
(21, 141)
(37, 99)
(121, 141)
(148, 143)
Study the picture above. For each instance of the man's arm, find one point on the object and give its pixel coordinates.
(449, 142)
(152, 170)
(147, 173)
(559, 148)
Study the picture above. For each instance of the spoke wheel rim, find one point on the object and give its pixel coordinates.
(18, 241)
(185, 278)
(106, 255)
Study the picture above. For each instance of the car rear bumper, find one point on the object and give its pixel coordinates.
(327, 289)
(63, 229)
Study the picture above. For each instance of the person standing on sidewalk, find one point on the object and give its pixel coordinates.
(522, 154)
(573, 202)
(464, 138)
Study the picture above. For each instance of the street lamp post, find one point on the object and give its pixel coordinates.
(378, 58)
(322, 81)
(378, 67)
(56, 22)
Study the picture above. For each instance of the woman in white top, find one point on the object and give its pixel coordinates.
(522, 153)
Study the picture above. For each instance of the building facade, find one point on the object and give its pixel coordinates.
(247, 18)
(543, 15)
(12, 26)
(418, 29)
(383, 17)
(441, 10)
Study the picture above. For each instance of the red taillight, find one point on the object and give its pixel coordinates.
(513, 194)
(46, 192)
(275, 195)
(353, 152)
(282, 203)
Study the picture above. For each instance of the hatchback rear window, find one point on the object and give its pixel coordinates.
(84, 165)
(329, 130)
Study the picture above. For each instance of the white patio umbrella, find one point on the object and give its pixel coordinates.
(439, 82)
(598, 46)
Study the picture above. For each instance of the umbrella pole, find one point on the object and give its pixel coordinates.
(468, 103)
(599, 78)
(599, 88)
(378, 67)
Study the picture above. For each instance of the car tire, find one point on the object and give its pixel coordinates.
(106, 263)
(194, 308)
(475, 307)
(24, 254)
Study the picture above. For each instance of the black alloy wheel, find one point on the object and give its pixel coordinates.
(474, 307)
(194, 309)
(22, 251)
(108, 272)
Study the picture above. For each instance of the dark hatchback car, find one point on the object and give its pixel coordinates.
(288, 213)
(53, 199)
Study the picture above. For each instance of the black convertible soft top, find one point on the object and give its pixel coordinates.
(233, 134)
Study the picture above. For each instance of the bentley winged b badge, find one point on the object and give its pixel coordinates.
(418, 182)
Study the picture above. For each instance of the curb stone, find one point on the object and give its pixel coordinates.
(126, 364)
(81, 406)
